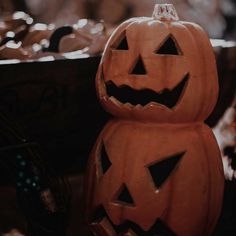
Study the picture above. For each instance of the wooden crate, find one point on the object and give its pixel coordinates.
(55, 103)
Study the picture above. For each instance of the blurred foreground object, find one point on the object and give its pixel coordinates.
(207, 13)
(23, 40)
(228, 8)
(9, 6)
(226, 137)
(226, 65)
(42, 197)
(13, 232)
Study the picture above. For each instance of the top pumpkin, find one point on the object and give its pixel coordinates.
(158, 69)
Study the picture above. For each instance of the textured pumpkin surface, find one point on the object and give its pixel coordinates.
(143, 178)
(162, 71)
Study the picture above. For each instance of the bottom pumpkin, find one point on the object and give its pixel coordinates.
(154, 179)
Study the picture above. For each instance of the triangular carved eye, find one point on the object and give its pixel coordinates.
(169, 47)
(162, 170)
(124, 196)
(123, 45)
(104, 161)
(139, 68)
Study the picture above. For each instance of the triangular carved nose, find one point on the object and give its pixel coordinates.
(124, 196)
(139, 68)
(169, 48)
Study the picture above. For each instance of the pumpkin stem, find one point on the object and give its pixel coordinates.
(165, 12)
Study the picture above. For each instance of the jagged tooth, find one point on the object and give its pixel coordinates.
(128, 105)
(151, 104)
(139, 106)
(114, 100)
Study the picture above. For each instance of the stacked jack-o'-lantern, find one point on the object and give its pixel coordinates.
(156, 169)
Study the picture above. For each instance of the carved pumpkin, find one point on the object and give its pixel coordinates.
(142, 182)
(146, 177)
(158, 69)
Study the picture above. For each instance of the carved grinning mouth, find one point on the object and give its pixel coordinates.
(158, 229)
(166, 97)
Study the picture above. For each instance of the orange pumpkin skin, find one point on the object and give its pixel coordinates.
(188, 200)
(162, 71)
